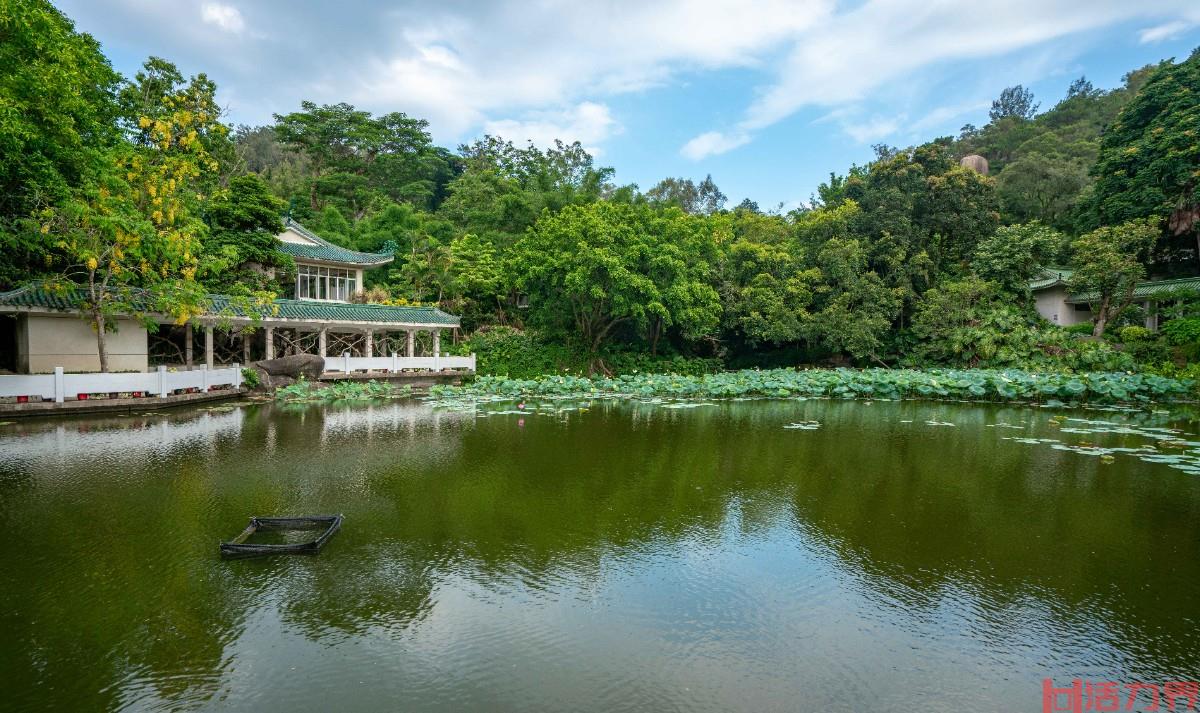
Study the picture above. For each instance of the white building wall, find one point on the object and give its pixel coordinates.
(47, 341)
(1052, 305)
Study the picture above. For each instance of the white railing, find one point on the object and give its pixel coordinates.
(347, 364)
(162, 383)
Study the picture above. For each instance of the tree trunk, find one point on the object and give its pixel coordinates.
(101, 342)
(1102, 316)
(655, 333)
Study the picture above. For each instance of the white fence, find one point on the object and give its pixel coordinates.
(59, 386)
(347, 364)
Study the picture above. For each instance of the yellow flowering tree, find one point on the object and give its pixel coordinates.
(129, 243)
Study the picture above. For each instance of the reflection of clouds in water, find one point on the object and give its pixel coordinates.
(115, 440)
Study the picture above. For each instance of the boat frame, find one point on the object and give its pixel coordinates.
(238, 547)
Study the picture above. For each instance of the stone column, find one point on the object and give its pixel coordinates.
(437, 342)
(370, 348)
(245, 348)
(208, 345)
(410, 343)
(187, 345)
(322, 341)
(269, 351)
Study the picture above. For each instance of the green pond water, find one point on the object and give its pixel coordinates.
(760, 555)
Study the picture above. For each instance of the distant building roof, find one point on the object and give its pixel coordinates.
(325, 251)
(1051, 277)
(38, 297)
(1151, 289)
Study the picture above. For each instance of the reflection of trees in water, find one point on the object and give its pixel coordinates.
(384, 588)
(109, 569)
(1096, 546)
(112, 556)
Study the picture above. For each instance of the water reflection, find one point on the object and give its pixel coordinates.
(590, 556)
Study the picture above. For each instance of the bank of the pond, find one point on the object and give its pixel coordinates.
(971, 384)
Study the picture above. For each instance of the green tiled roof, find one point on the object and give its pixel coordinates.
(36, 296)
(326, 251)
(346, 312)
(1051, 277)
(1152, 289)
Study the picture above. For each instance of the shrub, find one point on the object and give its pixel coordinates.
(1182, 331)
(1084, 328)
(250, 378)
(1134, 333)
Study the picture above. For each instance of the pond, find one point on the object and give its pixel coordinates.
(755, 555)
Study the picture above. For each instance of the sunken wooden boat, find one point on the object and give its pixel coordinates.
(238, 547)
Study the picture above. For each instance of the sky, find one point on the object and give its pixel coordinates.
(767, 96)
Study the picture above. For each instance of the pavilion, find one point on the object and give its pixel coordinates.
(319, 316)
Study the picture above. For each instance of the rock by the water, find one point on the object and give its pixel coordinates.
(285, 370)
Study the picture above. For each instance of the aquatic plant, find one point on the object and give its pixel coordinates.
(306, 391)
(970, 384)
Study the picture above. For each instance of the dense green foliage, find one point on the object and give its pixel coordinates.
(982, 384)
(510, 352)
(1149, 159)
(912, 259)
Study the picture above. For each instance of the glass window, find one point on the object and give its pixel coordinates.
(324, 283)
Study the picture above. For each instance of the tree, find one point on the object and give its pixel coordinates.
(592, 269)
(1108, 265)
(1016, 102)
(133, 236)
(1149, 159)
(563, 175)
(1044, 188)
(918, 214)
(698, 199)
(478, 284)
(766, 292)
(858, 309)
(972, 323)
(240, 247)
(1082, 88)
(159, 92)
(58, 114)
(357, 161)
(1014, 255)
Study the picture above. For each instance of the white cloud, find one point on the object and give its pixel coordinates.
(466, 66)
(226, 17)
(942, 114)
(872, 130)
(587, 122)
(858, 54)
(713, 143)
(461, 70)
(1165, 31)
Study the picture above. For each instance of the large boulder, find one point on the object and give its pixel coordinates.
(285, 370)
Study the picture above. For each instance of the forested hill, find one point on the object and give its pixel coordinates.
(116, 182)
(1042, 162)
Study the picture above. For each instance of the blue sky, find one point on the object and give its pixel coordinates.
(769, 96)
